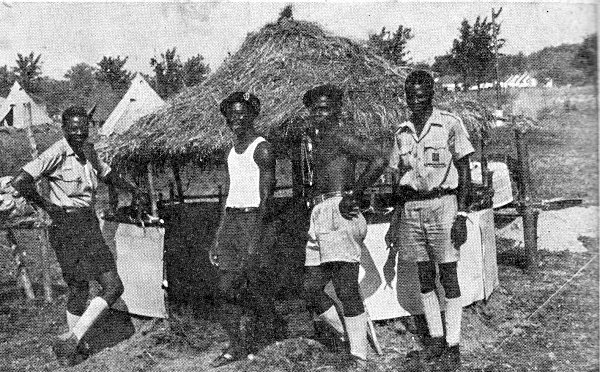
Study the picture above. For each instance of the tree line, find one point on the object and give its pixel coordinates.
(471, 60)
(107, 80)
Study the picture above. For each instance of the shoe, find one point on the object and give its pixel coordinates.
(325, 335)
(449, 361)
(432, 350)
(227, 357)
(65, 348)
(357, 365)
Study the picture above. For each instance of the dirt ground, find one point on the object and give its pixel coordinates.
(542, 319)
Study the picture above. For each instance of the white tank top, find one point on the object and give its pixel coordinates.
(244, 176)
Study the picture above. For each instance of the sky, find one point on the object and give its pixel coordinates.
(69, 33)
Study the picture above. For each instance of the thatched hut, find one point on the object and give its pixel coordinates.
(279, 63)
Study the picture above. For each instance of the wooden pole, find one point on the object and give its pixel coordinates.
(152, 190)
(45, 253)
(526, 209)
(44, 242)
(178, 183)
(19, 258)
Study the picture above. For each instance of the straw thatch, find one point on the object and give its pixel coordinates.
(278, 64)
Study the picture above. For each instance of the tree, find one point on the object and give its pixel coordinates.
(392, 46)
(556, 63)
(111, 71)
(443, 65)
(28, 71)
(473, 52)
(168, 71)
(511, 64)
(195, 70)
(7, 79)
(586, 58)
(82, 79)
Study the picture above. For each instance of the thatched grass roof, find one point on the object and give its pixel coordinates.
(278, 63)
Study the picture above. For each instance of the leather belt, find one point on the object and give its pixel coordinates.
(328, 195)
(408, 194)
(241, 210)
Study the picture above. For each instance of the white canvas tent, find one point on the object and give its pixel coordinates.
(523, 80)
(140, 100)
(12, 109)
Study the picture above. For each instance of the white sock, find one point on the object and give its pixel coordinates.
(453, 320)
(431, 307)
(357, 335)
(332, 318)
(91, 314)
(72, 319)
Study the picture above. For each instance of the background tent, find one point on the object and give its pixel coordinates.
(12, 111)
(140, 100)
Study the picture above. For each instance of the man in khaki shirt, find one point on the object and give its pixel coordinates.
(72, 168)
(431, 155)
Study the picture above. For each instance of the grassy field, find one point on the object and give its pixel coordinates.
(545, 319)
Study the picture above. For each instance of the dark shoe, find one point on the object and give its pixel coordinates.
(227, 357)
(325, 335)
(65, 348)
(357, 365)
(433, 349)
(449, 361)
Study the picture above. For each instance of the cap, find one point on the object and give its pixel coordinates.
(242, 97)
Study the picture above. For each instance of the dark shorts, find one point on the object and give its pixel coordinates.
(79, 245)
(234, 237)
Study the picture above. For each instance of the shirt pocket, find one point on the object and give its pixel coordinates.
(69, 180)
(436, 154)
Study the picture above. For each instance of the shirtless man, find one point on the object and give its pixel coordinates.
(337, 228)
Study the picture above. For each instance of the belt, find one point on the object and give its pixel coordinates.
(70, 210)
(241, 210)
(408, 194)
(328, 195)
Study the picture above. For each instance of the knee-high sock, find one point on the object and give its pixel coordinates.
(332, 318)
(72, 319)
(91, 314)
(453, 320)
(357, 335)
(431, 307)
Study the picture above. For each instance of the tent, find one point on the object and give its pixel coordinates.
(140, 100)
(12, 111)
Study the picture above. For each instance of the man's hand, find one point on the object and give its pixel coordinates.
(459, 231)
(349, 206)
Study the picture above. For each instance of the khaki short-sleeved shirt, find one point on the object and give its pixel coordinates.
(426, 162)
(72, 183)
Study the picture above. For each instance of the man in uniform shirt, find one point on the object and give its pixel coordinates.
(337, 228)
(72, 168)
(431, 153)
(243, 234)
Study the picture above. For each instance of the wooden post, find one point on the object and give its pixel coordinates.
(44, 241)
(152, 190)
(178, 183)
(19, 258)
(525, 208)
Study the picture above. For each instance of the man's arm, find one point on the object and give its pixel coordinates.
(115, 179)
(265, 159)
(377, 162)
(464, 183)
(24, 183)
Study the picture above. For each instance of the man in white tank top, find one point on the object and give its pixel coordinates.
(243, 236)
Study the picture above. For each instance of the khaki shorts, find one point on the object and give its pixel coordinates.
(331, 237)
(423, 228)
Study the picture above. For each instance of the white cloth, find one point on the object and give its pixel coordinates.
(244, 177)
